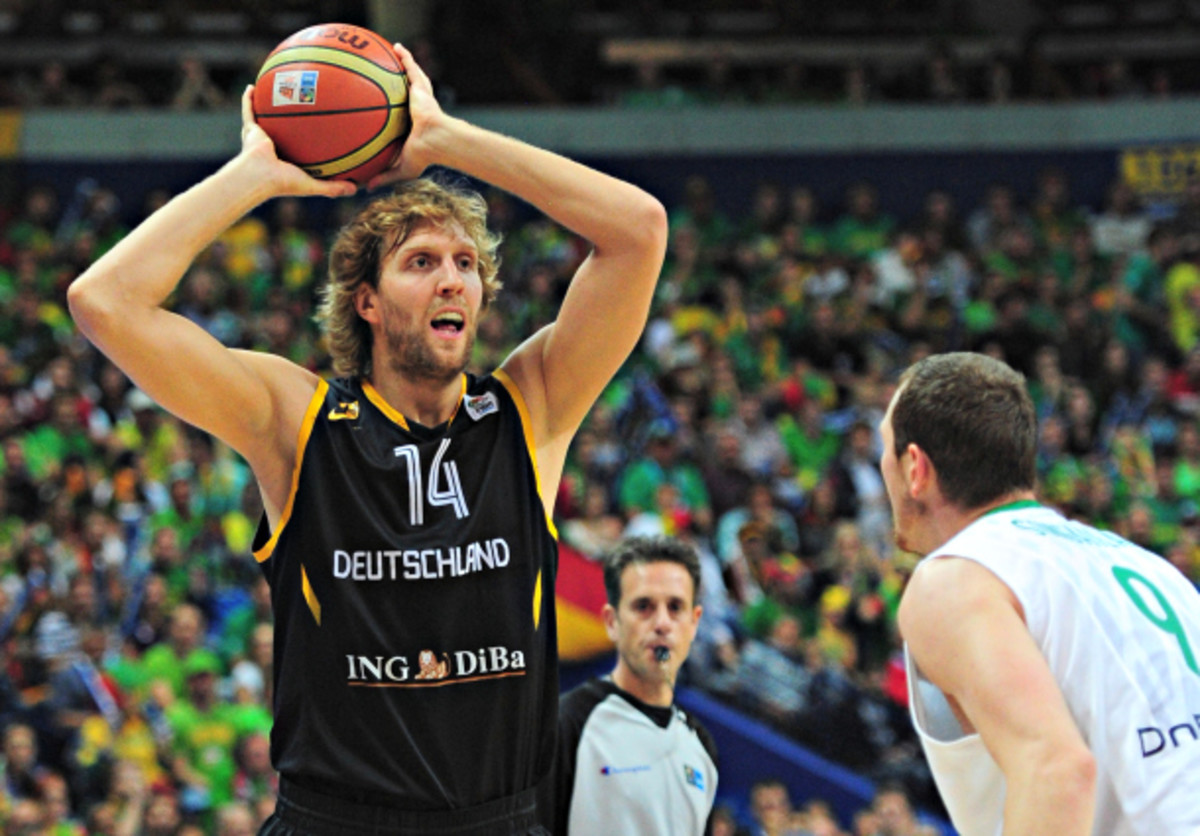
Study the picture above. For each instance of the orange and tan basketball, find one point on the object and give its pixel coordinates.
(334, 99)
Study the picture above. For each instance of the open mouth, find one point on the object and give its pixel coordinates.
(449, 322)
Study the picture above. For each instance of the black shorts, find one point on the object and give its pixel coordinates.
(303, 812)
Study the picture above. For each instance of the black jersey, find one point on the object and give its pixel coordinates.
(412, 577)
(623, 766)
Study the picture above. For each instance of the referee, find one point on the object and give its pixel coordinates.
(629, 760)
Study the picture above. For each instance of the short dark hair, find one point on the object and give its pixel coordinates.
(643, 550)
(894, 787)
(973, 417)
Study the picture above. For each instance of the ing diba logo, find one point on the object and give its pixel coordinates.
(450, 669)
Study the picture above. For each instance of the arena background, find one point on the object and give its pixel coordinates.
(553, 73)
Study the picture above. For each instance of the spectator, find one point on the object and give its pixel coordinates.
(763, 451)
(863, 229)
(771, 806)
(700, 212)
(195, 89)
(251, 678)
(596, 530)
(255, 780)
(1123, 226)
(1139, 297)
(861, 483)
(994, 217)
(113, 88)
(777, 525)
(662, 465)
(235, 819)
(205, 733)
(167, 660)
(896, 817)
(53, 88)
(162, 816)
(942, 82)
(23, 772)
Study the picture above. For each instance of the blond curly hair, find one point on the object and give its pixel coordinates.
(364, 243)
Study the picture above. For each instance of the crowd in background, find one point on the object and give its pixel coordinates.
(192, 83)
(136, 687)
(547, 52)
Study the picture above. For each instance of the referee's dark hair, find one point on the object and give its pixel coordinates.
(648, 550)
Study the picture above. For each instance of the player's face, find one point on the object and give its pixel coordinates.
(429, 299)
(905, 510)
(657, 609)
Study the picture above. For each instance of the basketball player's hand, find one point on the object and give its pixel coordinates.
(285, 178)
(426, 118)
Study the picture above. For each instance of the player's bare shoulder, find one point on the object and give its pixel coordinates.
(287, 391)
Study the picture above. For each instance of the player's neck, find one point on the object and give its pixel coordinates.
(656, 692)
(952, 520)
(420, 401)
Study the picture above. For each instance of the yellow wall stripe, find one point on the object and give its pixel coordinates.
(523, 411)
(310, 418)
(581, 634)
(10, 134)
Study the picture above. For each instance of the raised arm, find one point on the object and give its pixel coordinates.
(965, 630)
(562, 369)
(247, 399)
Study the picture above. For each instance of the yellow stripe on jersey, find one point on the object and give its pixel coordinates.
(527, 426)
(383, 406)
(311, 597)
(537, 600)
(395, 415)
(310, 418)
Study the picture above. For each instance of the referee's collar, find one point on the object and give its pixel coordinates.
(660, 715)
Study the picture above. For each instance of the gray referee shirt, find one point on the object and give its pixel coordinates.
(626, 767)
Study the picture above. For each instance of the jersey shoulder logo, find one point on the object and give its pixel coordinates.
(694, 777)
(344, 411)
(479, 406)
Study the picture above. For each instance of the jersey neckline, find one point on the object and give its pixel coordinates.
(1015, 505)
(398, 418)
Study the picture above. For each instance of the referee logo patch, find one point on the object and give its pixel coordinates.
(694, 777)
(622, 770)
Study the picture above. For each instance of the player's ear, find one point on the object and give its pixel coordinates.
(610, 621)
(920, 470)
(365, 302)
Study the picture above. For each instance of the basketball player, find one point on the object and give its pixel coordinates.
(407, 535)
(1052, 667)
(629, 760)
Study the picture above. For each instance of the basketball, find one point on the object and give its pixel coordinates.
(334, 99)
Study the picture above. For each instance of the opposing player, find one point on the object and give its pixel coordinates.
(1052, 667)
(407, 534)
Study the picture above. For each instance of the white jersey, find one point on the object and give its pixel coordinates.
(1120, 630)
